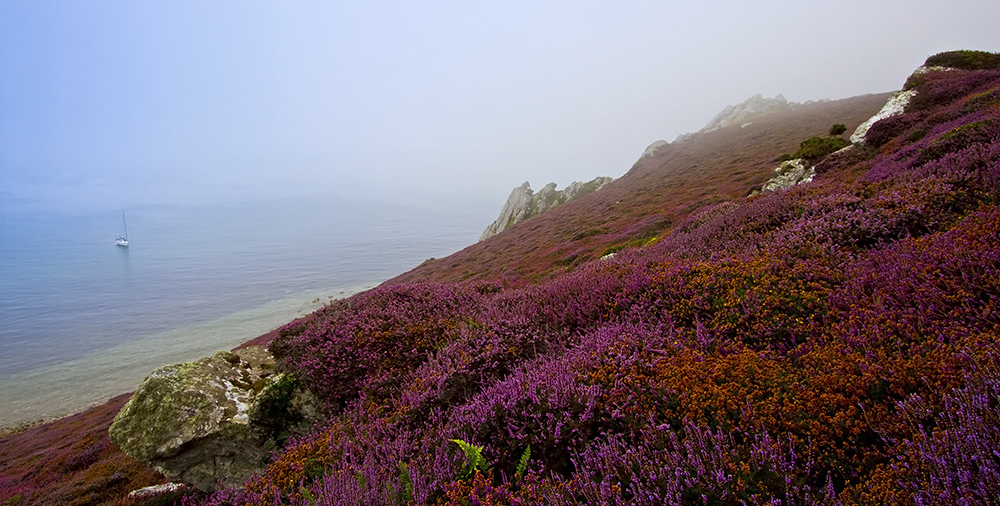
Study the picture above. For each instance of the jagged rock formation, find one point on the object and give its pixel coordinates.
(653, 148)
(523, 203)
(787, 175)
(215, 420)
(752, 107)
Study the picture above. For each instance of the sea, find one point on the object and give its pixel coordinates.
(83, 320)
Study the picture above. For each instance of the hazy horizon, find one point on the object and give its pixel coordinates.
(111, 104)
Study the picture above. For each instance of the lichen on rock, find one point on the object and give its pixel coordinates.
(203, 422)
(787, 175)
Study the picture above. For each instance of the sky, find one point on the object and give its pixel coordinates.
(113, 104)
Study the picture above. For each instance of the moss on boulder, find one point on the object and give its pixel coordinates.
(212, 421)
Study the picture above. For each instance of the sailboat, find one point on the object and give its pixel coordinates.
(122, 240)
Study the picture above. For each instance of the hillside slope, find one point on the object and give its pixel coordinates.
(658, 192)
(833, 343)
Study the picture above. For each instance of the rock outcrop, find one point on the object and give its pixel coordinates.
(750, 108)
(893, 107)
(793, 172)
(213, 421)
(787, 175)
(523, 203)
(653, 148)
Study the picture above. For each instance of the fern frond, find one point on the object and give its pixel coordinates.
(522, 464)
(474, 459)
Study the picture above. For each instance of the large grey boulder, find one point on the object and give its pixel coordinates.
(523, 203)
(213, 421)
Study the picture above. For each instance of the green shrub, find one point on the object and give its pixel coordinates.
(818, 147)
(965, 59)
(838, 129)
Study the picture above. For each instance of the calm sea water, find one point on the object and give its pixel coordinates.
(82, 320)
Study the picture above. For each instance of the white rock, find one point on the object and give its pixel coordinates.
(893, 107)
(155, 490)
(787, 175)
(653, 148)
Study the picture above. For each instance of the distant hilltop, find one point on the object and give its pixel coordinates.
(523, 203)
(742, 114)
(750, 108)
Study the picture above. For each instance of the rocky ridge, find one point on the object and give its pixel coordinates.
(523, 203)
(750, 108)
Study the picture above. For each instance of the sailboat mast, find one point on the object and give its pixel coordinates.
(124, 225)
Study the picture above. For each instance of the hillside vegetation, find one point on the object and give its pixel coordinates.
(656, 194)
(833, 343)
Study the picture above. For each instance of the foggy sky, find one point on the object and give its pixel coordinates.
(119, 103)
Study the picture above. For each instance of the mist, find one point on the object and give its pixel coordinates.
(112, 104)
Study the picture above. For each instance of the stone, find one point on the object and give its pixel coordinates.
(167, 493)
(213, 421)
(787, 175)
(523, 203)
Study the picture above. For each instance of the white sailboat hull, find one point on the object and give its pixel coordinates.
(122, 240)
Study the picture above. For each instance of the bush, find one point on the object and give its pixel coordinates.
(818, 147)
(965, 59)
(838, 129)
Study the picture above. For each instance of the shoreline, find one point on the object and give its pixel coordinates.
(52, 393)
(15, 428)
